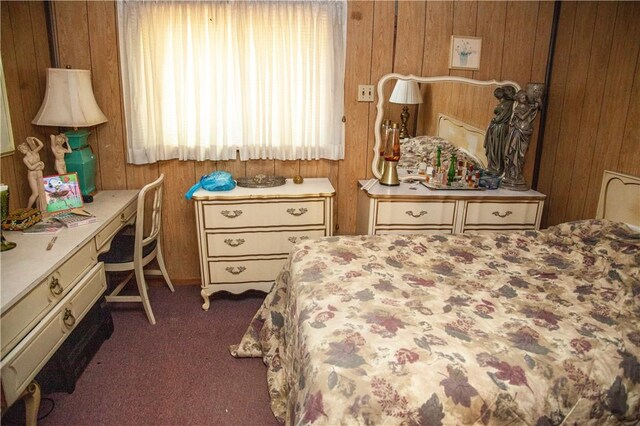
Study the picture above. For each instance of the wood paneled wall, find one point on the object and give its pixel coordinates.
(382, 37)
(594, 106)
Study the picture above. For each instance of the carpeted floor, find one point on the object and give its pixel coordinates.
(178, 372)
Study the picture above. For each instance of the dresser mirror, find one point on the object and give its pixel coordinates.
(455, 109)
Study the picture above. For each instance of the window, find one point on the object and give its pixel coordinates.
(204, 80)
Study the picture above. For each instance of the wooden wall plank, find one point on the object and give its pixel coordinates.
(492, 19)
(381, 62)
(555, 104)
(439, 29)
(630, 150)
(105, 68)
(257, 167)
(617, 95)
(179, 221)
(358, 63)
(287, 169)
(574, 94)
(587, 135)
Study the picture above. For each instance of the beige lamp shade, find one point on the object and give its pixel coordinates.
(406, 92)
(69, 100)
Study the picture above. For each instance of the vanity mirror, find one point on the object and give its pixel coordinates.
(456, 110)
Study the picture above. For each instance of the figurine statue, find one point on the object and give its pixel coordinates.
(31, 159)
(527, 104)
(60, 147)
(496, 137)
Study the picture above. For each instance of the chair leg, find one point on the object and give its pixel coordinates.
(142, 288)
(163, 269)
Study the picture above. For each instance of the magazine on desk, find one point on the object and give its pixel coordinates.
(44, 228)
(74, 218)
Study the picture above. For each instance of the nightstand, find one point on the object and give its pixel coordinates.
(245, 234)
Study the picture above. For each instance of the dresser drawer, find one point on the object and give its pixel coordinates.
(415, 213)
(22, 364)
(240, 271)
(263, 214)
(21, 317)
(114, 226)
(522, 214)
(257, 242)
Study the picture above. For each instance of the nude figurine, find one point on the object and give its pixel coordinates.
(35, 166)
(60, 147)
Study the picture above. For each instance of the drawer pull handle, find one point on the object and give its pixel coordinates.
(235, 271)
(68, 319)
(295, 239)
(231, 215)
(55, 287)
(412, 214)
(507, 213)
(234, 243)
(122, 218)
(299, 212)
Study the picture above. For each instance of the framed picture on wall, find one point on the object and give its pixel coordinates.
(464, 53)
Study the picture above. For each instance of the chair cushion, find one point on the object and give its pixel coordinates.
(121, 250)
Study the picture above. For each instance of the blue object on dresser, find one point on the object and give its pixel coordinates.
(216, 181)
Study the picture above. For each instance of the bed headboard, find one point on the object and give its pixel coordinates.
(619, 198)
(466, 137)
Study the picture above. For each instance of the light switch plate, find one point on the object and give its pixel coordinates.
(365, 93)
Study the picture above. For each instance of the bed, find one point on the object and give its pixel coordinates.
(532, 327)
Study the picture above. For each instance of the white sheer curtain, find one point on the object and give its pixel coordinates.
(204, 79)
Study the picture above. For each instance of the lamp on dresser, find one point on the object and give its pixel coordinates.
(405, 92)
(69, 102)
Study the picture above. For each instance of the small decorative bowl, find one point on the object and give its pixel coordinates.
(490, 182)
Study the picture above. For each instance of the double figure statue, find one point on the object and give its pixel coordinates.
(526, 107)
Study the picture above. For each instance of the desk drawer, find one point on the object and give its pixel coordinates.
(242, 271)
(257, 243)
(21, 318)
(114, 226)
(415, 213)
(22, 364)
(522, 214)
(263, 214)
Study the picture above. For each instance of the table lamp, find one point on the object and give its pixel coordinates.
(69, 102)
(405, 92)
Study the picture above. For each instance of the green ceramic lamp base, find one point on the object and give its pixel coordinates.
(81, 160)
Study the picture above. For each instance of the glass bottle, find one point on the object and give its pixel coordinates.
(452, 170)
(438, 155)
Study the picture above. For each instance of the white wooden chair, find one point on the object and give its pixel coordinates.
(132, 251)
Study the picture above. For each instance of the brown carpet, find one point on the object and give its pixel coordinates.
(178, 372)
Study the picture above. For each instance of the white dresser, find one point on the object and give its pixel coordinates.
(46, 293)
(413, 208)
(246, 234)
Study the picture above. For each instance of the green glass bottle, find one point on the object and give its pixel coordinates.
(438, 163)
(452, 169)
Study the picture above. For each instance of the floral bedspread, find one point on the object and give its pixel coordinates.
(536, 328)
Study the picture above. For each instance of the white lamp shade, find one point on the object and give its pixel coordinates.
(69, 100)
(406, 92)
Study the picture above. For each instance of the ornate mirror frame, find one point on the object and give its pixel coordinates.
(421, 80)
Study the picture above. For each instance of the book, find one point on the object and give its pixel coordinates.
(44, 228)
(72, 219)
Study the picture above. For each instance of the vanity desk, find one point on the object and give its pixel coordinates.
(414, 208)
(45, 293)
